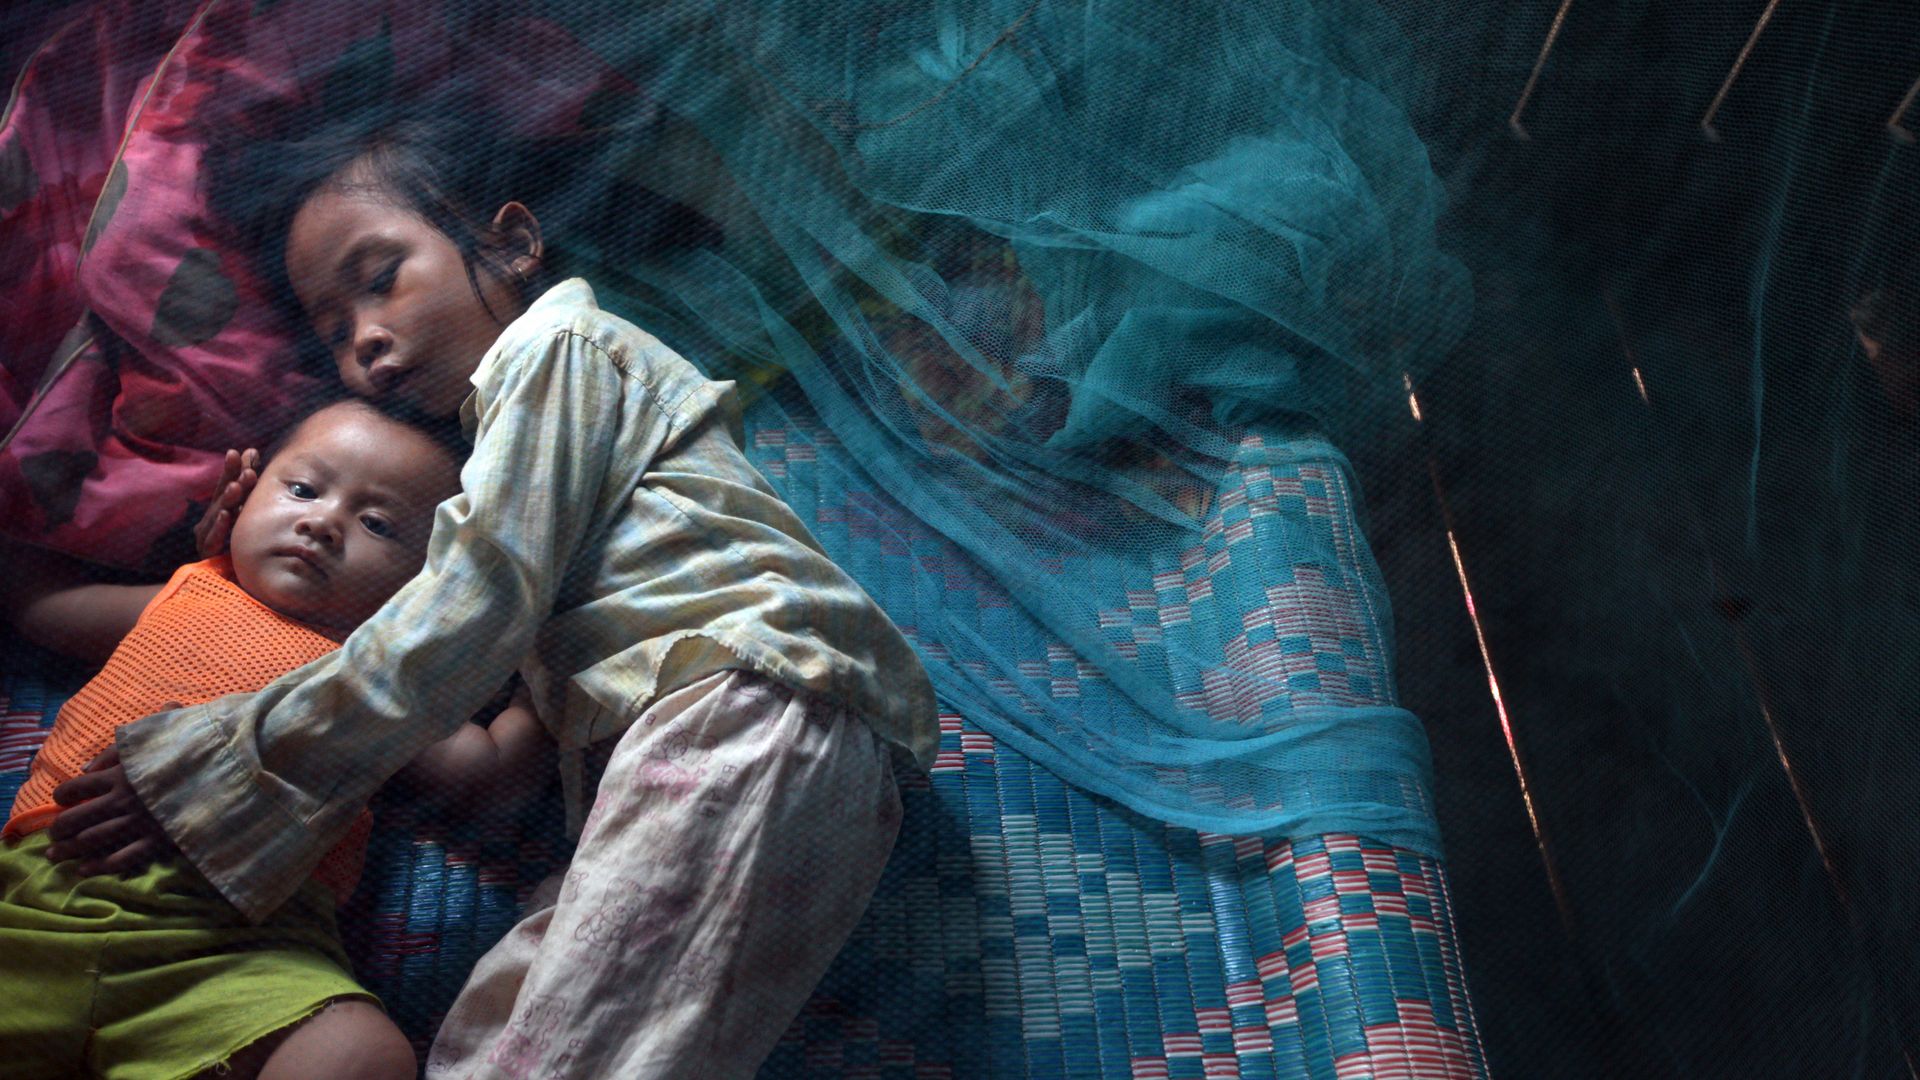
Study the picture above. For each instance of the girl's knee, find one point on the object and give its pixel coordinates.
(349, 1040)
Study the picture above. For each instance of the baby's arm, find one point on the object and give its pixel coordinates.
(52, 601)
(496, 767)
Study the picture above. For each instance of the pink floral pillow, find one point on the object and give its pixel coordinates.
(135, 347)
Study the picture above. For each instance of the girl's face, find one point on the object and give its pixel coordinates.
(389, 295)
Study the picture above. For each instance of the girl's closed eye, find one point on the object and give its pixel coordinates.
(382, 283)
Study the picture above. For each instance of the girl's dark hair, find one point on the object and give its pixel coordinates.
(451, 161)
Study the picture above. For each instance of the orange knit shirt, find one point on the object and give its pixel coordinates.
(201, 638)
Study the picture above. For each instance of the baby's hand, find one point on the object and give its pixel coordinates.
(487, 770)
(238, 473)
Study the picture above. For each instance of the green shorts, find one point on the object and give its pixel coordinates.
(151, 977)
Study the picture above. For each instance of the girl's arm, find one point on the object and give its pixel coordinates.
(52, 601)
(493, 768)
(254, 788)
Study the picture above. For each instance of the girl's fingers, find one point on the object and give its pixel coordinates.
(130, 859)
(210, 536)
(234, 494)
(225, 497)
(203, 533)
(106, 838)
(230, 470)
(216, 539)
(249, 470)
(239, 470)
(75, 821)
(86, 787)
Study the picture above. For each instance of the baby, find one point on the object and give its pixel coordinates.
(154, 972)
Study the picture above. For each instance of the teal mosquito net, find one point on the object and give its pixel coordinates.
(1605, 318)
(1047, 340)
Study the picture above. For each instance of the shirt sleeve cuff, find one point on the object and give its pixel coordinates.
(226, 825)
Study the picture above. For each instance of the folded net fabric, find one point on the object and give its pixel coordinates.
(1038, 267)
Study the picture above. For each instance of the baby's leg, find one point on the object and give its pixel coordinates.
(349, 1040)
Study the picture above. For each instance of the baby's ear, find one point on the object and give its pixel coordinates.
(517, 232)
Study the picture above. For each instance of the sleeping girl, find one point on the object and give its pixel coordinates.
(153, 974)
(671, 614)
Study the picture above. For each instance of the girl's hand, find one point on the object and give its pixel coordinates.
(104, 823)
(238, 473)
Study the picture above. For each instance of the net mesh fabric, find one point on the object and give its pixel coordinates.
(201, 638)
(1050, 343)
(1045, 265)
(1079, 283)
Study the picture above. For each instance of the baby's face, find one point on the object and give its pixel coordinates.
(340, 517)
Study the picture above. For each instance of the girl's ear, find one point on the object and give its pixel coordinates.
(517, 232)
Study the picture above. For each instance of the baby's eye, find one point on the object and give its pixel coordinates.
(382, 283)
(301, 490)
(379, 526)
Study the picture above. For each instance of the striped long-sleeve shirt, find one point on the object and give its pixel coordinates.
(611, 541)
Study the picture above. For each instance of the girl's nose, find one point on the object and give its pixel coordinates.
(370, 344)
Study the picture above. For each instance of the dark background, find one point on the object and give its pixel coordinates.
(1650, 575)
